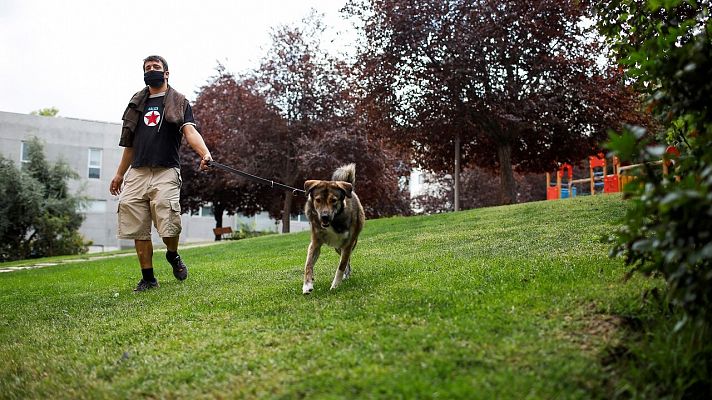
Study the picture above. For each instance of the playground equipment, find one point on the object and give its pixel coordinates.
(598, 176)
(561, 190)
(599, 180)
(597, 172)
(674, 153)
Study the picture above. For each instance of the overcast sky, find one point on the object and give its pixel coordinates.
(84, 56)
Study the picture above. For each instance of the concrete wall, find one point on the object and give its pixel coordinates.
(70, 139)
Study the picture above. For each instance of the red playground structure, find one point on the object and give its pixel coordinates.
(562, 189)
(599, 179)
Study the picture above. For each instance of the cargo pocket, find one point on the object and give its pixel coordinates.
(174, 218)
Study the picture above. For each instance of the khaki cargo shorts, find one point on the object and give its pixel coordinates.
(150, 194)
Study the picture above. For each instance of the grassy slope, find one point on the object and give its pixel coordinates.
(504, 301)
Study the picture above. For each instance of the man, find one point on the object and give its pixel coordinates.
(155, 120)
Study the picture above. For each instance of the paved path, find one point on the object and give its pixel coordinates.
(34, 264)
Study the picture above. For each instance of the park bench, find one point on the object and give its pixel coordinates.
(220, 232)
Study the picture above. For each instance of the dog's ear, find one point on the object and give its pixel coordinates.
(346, 187)
(310, 185)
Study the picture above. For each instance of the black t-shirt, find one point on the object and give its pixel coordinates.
(154, 147)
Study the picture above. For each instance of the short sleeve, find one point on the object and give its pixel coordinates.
(187, 117)
(127, 137)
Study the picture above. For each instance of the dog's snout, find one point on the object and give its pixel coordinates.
(324, 217)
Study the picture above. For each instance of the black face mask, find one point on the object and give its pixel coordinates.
(154, 78)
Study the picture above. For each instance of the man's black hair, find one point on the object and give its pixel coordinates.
(155, 58)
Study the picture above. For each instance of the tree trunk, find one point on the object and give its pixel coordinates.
(286, 211)
(506, 176)
(218, 214)
(456, 175)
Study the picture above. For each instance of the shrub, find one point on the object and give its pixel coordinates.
(38, 215)
(667, 50)
(247, 231)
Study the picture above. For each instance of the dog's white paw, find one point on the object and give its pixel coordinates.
(347, 273)
(337, 279)
(307, 287)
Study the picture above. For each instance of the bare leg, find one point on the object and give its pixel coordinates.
(180, 270)
(171, 243)
(312, 256)
(144, 250)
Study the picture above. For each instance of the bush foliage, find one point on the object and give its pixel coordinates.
(38, 215)
(666, 48)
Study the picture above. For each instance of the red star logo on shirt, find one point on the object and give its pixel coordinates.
(152, 118)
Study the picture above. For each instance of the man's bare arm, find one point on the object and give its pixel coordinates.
(195, 140)
(126, 158)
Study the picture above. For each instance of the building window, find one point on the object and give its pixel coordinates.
(24, 154)
(206, 211)
(95, 163)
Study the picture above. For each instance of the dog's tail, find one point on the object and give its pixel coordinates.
(347, 173)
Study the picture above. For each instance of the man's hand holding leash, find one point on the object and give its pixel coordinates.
(205, 162)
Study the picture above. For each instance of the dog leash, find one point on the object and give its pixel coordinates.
(254, 177)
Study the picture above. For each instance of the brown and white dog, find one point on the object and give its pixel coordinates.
(336, 217)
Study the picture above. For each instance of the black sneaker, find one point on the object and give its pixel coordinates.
(145, 285)
(180, 270)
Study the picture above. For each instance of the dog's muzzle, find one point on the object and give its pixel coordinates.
(325, 220)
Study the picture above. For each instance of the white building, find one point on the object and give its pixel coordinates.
(91, 149)
(423, 182)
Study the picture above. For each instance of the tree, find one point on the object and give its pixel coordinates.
(20, 208)
(501, 84)
(378, 168)
(301, 81)
(39, 216)
(317, 97)
(46, 112)
(666, 50)
(293, 118)
(479, 188)
(230, 116)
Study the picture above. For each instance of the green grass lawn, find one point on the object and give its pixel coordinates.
(504, 302)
